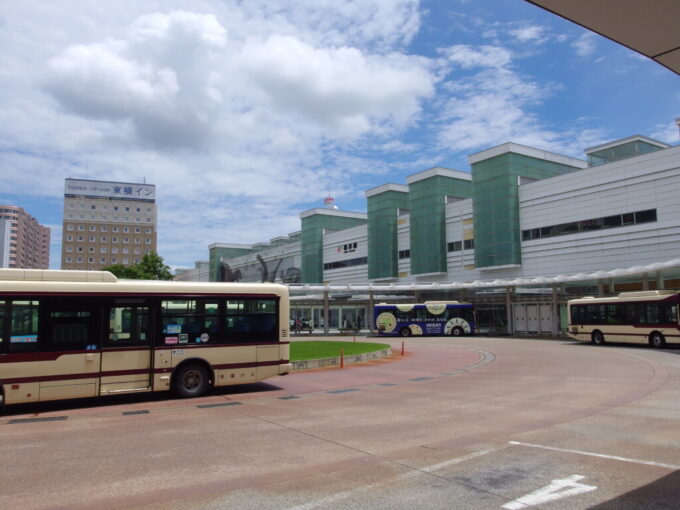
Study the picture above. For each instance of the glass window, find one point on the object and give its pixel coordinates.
(189, 322)
(23, 331)
(251, 320)
(128, 326)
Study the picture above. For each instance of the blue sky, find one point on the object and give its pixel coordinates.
(244, 114)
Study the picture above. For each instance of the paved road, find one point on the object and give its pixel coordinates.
(498, 423)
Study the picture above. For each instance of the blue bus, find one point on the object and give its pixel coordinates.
(430, 318)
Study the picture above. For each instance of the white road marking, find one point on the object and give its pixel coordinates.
(599, 455)
(557, 489)
(410, 474)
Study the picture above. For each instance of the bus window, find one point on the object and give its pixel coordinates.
(71, 328)
(653, 313)
(2, 325)
(251, 320)
(190, 321)
(23, 334)
(128, 326)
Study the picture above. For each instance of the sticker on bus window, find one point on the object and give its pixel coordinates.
(184, 338)
(173, 328)
(23, 339)
(205, 337)
(171, 340)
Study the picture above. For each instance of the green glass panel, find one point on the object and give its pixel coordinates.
(427, 203)
(495, 204)
(382, 228)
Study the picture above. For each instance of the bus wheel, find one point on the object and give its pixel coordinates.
(657, 340)
(457, 331)
(597, 338)
(405, 331)
(191, 381)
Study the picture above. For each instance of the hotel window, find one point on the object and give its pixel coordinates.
(91, 239)
(103, 239)
(90, 260)
(114, 229)
(93, 217)
(81, 228)
(102, 260)
(148, 220)
(69, 259)
(69, 238)
(125, 250)
(126, 239)
(81, 216)
(125, 260)
(79, 260)
(93, 228)
(114, 260)
(138, 209)
(93, 206)
(80, 249)
(127, 209)
(147, 240)
(138, 230)
(104, 228)
(137, 220)
(82, 206)
(136, 261)
(102, 249)
(137, 240)
(137, 251)
(70, 216)
(69, 249)
(114, 239)
(114, 250)
(126, 229)
(69, 227)
(80, 238)
(90, 249)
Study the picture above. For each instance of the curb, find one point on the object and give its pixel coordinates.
(335, 362)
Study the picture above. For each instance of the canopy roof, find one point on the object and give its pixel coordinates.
(650, 27)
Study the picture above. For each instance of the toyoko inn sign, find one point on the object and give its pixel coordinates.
(103, 189)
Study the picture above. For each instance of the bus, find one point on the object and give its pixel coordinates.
(639, 317)
(429, 318)
(74, 334)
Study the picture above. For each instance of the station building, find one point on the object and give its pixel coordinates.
(518, 235)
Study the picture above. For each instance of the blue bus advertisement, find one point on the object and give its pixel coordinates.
(430, 318)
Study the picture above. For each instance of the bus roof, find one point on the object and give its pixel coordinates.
(644, 295)
(102, 282)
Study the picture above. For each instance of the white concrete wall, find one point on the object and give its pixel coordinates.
(651, 181)
(333, 243)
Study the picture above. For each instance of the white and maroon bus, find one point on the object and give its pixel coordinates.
(72, 334)
(640, 317)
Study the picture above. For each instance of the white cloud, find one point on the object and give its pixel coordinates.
(339, 88)
(668, 133)
(467, 56)
(533, 33)
(585, 45)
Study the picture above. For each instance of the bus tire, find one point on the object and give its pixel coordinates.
(191, 380)
(597, 337)
(657, 340)
(405, 331)
(457, 331)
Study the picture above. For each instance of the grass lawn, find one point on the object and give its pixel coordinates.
(318, 350)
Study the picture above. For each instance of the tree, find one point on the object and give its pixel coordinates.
(151, 267)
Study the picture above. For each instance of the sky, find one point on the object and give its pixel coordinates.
(246, 113)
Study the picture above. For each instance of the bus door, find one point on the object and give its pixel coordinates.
(126, 364)
(70, 331)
